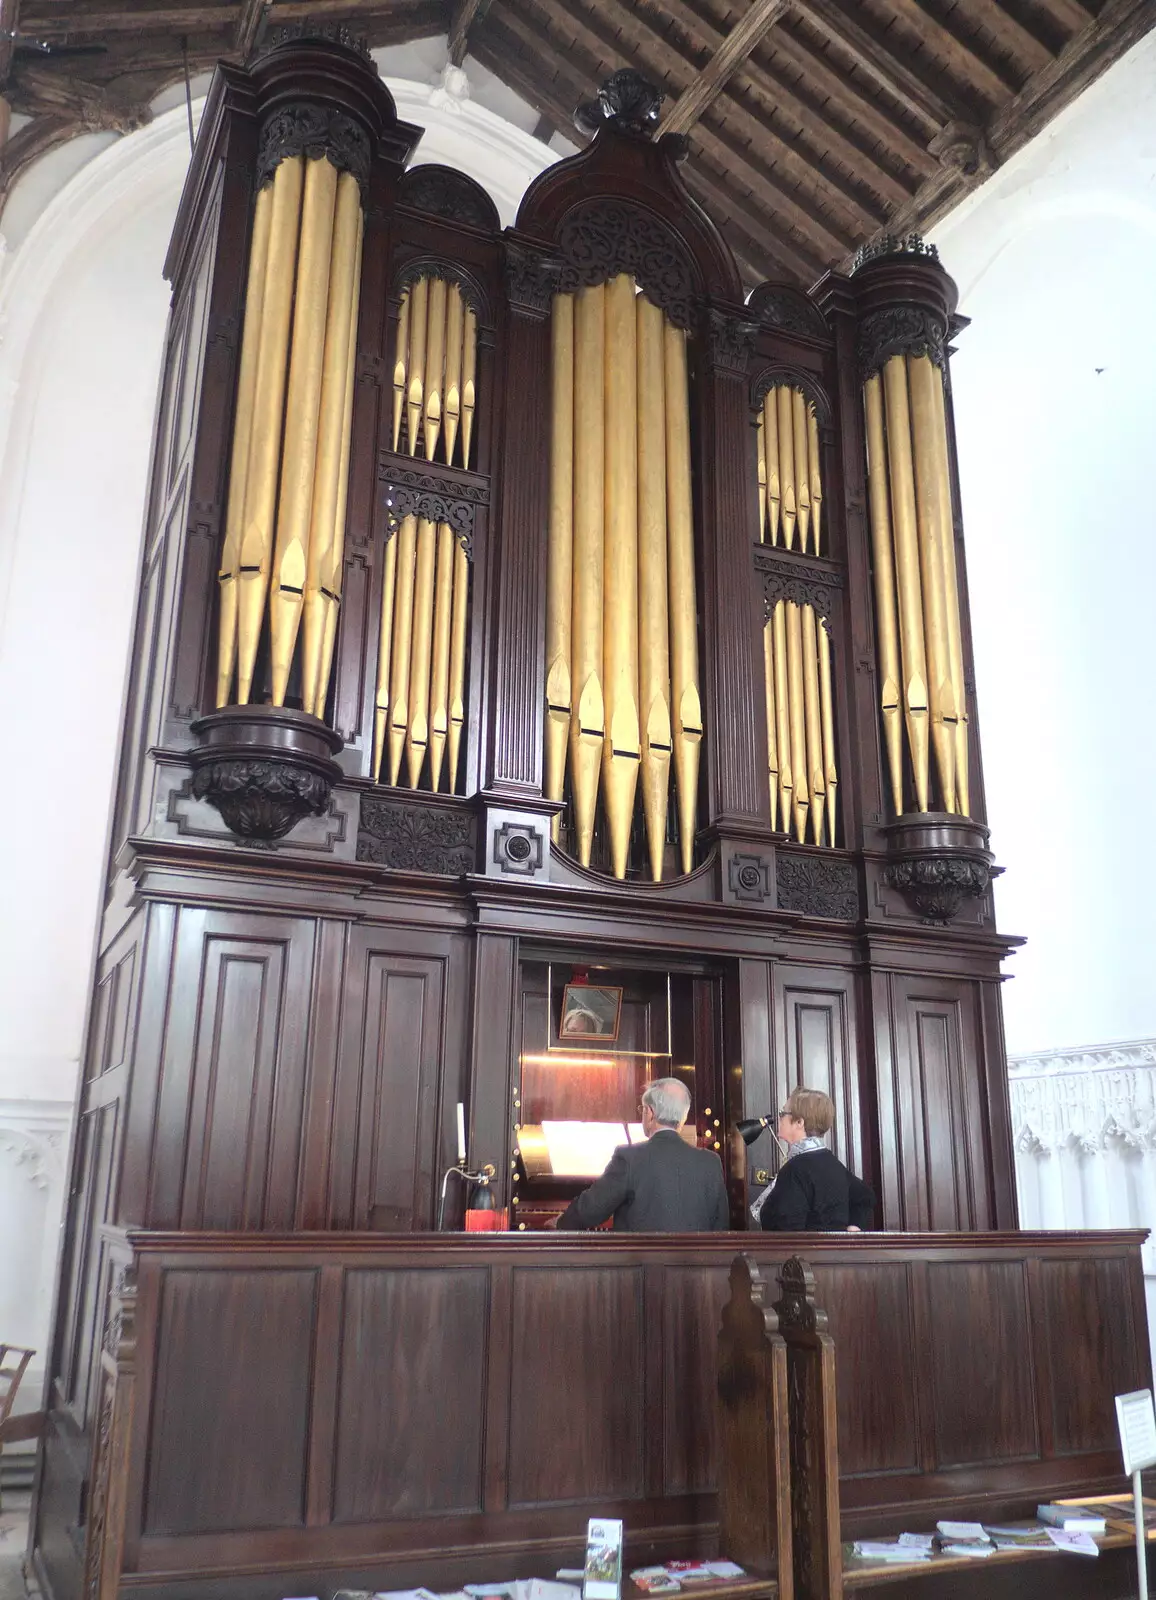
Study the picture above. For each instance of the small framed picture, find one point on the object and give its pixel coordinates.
(589, 1013)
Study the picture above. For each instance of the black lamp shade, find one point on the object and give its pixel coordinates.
(751, 1127)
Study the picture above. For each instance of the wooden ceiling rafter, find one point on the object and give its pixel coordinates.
(463, 15)
(723, 64)
(253, 14)
(990, 81)
(892, 75)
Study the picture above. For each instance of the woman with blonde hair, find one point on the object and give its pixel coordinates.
(813, 1192)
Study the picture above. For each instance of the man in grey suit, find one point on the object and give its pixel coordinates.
(662, 1186)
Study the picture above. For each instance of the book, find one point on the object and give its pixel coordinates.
(1019, 1538)
(917, 1541)
(887, 1550)
(1079, 1544)
(656, 1580)
(967, 1547)
(962, 1530)
(1072, 1519)
(602, 1579)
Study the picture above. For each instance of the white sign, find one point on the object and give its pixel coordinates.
(1137, 1421)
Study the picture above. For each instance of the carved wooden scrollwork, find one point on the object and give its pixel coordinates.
(606, 237)
(779, 306)
(899, 331)
(730, 341)
(532, 279)
(445, 192)
(770, 377)
(627, 101)
(416, 837)
(787, 577)
(448, 272)
(307, 129)
(435, 496)
(816, 888)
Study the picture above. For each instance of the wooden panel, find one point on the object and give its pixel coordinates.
(229, 1451)
(871, 1318)
(410, 1428)
(1086, 1312)
(816, 1025)
(230, 1104)
(388, 1074)
(982, 1390)
(579, 1439)
(692, 1300)
(89, 1207)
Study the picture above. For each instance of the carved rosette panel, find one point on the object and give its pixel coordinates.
(436, 496)
(730, 341)
(602, 239)
(899, 331)
(785, 577)
(311, 130)
(816, 888)
(750, 879)
(936, 886)
(416, 838)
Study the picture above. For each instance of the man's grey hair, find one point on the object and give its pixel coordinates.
(669, 1100)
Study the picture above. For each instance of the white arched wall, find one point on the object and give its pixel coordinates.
(83, 307)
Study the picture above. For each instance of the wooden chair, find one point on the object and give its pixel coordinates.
(14, 1361)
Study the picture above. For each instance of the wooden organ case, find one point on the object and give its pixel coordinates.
(522, 608)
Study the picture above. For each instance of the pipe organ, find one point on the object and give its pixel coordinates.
(552, 672)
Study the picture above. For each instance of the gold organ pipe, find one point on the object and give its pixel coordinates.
(761, 438)
(883, 560)
(813, 719)
(827, 703)
(774, 492)
(453, 397)
(559, 570)
(242, 440)
(954, 620)
(321, 584)
(653, 583)
(415, 363)
(435, 361)
(621, 754)
(381, 705)
(268, 399)
(815, 472)
(302, 419)
(335, 579)
(439, 721)
(783, 719)
(399, 366)
(785, 419)
(802, 465)
(772, 740)
(458, 661)
(405, 539)
(798, 715)
(587, 726)
(469, 380)
(921, 378)
(906, 540)
(685, 703)
(421, 641)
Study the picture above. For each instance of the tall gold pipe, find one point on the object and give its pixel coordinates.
(685, 703)
(798, 719)
(453, 401)
(802, 465)
(774, 491)
(785, 419)
(813, 717)
(621, 754)
(921, 378)
(381, 702)
(417, 738)
(302, 418)
(761, 445)
(783, 719)
(439, 720)
(435, 362)
(815, 470)
(906, 538)
(772, 740)
(458, 661)
(827, 700)
(415, 364)
(883, 560)
(242, 440)
(268, 400)
(320, 590)
(954, 620)
(653, 583)
(406, 540)
(587, 725)
(399, 366)
(559, 568)
(333, 581)
(469, 380)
